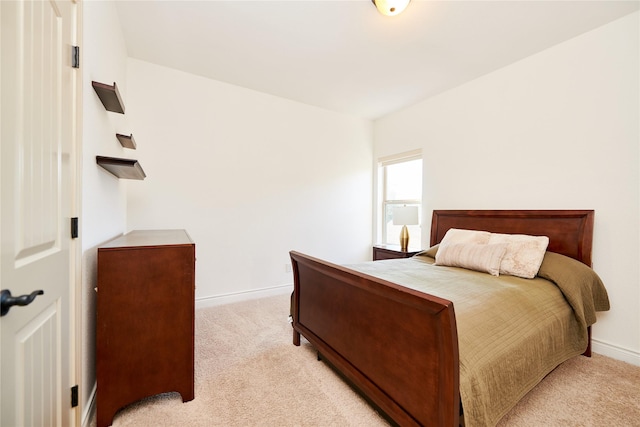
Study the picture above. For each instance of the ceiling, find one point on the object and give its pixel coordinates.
(343, 55)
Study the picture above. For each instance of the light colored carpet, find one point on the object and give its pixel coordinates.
(248, 373)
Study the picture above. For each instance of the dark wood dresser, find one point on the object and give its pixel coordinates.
(145, 319)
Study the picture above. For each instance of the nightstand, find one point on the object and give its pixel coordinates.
(391, 252)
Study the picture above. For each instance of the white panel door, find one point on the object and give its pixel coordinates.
(37, 135)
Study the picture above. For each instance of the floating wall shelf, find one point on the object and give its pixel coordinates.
(126, 141)
(109, 96)
(122, 168)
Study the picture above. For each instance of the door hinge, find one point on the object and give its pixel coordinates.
(74, 396)
(74, 227)
(75, 56)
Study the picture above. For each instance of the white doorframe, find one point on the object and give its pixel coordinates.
(75, 249)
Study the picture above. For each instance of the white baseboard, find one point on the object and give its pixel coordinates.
(90, 408)
(216, 300)
(615, 352)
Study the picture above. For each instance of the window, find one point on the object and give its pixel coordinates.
(401, 185)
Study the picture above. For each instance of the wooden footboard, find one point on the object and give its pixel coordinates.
(397, 345)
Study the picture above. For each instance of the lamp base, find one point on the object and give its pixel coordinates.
(404, 238)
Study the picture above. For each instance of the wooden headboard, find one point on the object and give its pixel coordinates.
(570, 232)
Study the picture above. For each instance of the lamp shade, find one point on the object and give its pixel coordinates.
(405, 215)
(391, 7)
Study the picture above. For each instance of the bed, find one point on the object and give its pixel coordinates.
(420, 361)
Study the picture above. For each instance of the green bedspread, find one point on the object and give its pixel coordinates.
(511, 331)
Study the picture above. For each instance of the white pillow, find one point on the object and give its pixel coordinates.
(458, 235)
(524, 253)
(479, 257)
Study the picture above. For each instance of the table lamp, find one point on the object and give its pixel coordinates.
(405, 215)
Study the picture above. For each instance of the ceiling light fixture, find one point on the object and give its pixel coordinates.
(391, 7)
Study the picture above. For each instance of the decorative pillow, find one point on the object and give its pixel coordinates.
(458, 235)
(524, 253)
(479, 257)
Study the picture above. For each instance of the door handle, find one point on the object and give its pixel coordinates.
(7, 301)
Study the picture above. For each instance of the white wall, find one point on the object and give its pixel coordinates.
(250, 176)
(557, 130)
(103, 59)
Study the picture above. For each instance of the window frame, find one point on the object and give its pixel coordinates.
(384, 203)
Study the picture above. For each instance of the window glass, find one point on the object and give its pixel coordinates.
(404, 180)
